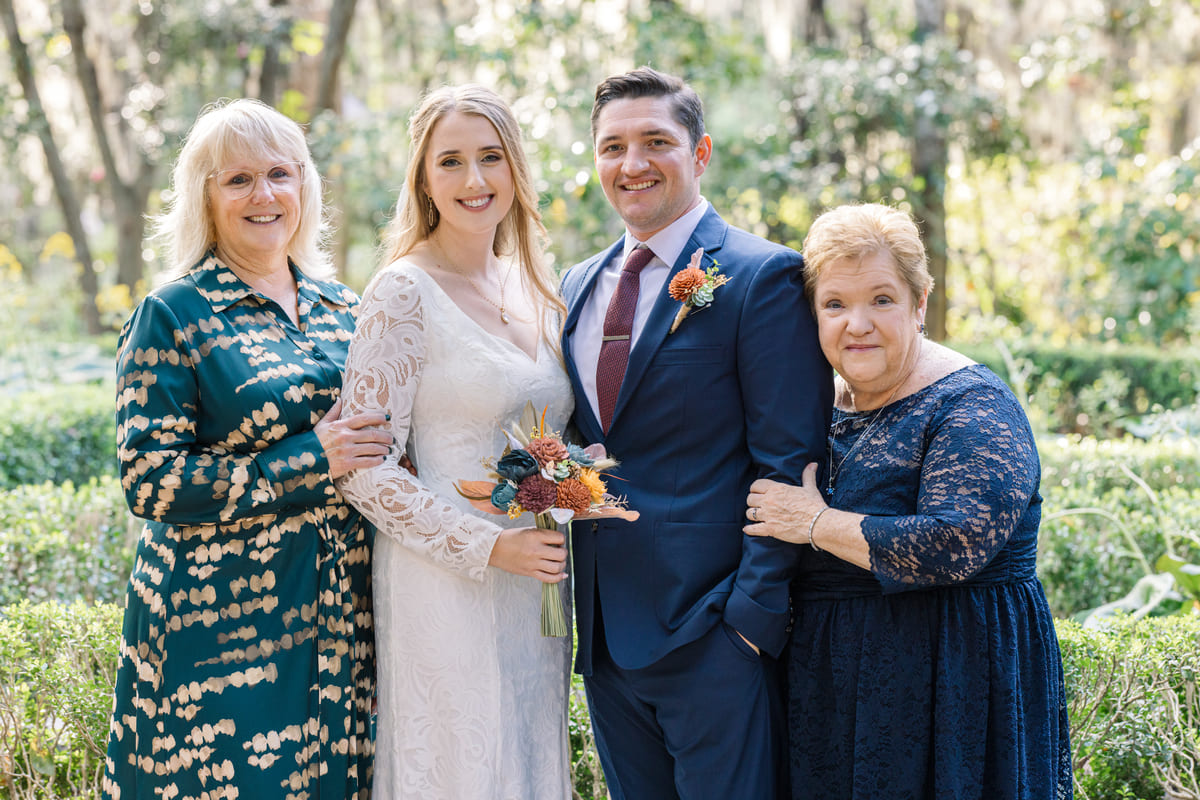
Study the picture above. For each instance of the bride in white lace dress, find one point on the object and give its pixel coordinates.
(455, 335)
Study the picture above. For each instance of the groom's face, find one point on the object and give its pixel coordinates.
(649, 170)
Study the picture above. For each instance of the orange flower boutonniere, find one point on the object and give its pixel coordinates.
(694, 287)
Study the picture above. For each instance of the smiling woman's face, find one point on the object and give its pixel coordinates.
(256, 229)
(869, 325)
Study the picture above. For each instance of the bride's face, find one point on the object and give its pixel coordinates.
(467, 174)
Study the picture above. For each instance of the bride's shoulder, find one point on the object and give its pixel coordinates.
(401, 275)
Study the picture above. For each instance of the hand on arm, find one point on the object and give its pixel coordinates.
(354, 442)
(788, 513)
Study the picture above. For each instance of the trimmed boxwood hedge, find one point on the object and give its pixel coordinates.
(68, 434)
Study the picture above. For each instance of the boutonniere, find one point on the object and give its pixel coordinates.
(694, 287)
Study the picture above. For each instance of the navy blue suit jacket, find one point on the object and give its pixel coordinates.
(740, 391)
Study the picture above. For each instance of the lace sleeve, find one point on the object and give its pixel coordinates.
(383, 371)
(978, 475)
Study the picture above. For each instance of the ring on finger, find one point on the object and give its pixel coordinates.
(754, 513)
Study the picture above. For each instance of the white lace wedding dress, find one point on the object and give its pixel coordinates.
(472, 699)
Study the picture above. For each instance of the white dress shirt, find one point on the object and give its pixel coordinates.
(666, 245)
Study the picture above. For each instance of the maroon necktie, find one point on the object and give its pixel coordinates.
(618, 328)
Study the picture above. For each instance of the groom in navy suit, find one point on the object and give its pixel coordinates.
(680, 616)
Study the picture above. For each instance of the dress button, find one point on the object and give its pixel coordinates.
(318, 355)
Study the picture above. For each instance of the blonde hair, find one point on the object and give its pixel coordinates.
(520, 234)
(858, 231)
(224, 131)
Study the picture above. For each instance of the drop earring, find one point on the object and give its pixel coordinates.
(431, 212)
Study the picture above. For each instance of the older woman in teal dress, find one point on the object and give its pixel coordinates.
(246, 662)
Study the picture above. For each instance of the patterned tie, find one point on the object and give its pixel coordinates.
(618, 328)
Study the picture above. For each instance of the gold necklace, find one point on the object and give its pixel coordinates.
(499, 306)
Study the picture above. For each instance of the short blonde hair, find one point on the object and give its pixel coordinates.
(227, 130)
(861, 230)
(520, 234)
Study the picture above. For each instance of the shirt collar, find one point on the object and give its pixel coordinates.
(223, 288)
(668, 243)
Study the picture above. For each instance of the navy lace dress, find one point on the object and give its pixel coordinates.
(937, 673)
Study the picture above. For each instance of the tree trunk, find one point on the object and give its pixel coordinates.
(129, 194)
(817, 30)
(930, 157)
(271, 74)
(340, 17)
(63, 189)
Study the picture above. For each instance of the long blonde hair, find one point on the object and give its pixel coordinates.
(226, 130)
(520, 234)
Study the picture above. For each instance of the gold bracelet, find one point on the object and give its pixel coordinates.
(812, 525)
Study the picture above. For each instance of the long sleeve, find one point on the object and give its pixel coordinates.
(978, 478)
(272, 460)
(787, 392)
(383, 373)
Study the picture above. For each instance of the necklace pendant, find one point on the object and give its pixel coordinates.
(504, 316)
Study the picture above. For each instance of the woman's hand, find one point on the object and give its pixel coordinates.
(356, 442)
(782, 510)
(533, 552)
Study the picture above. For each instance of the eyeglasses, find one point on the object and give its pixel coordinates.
(238, 183)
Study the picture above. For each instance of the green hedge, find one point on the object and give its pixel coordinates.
(1132, 690)
(1134, 702)
(1110, 509)
(1093, 389)
(57, 671)
(68, 434)
(65, 543)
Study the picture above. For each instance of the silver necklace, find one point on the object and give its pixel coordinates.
(833, 471)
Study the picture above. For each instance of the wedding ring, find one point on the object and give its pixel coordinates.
(754, 514)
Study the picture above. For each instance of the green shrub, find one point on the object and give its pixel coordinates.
(65, 543)
(1092, 389)
(1134, 705)
(68, 434)
(1111, 509)
(57, 671)
(1101, 465)
(1092, 548)
(587, 777)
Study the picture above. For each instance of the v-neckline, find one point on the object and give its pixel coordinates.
(534, 359)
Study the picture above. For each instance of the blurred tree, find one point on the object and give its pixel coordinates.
(930, 159)
(63, 188)
(129, 178)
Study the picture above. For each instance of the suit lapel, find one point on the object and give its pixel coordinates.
(709, 234)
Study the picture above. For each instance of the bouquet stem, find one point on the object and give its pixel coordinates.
(554, 618)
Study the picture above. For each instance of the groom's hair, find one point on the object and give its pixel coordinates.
(647, 82)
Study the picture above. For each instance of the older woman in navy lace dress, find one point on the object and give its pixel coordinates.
(924, 662)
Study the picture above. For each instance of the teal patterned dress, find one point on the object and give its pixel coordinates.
(247, 658)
